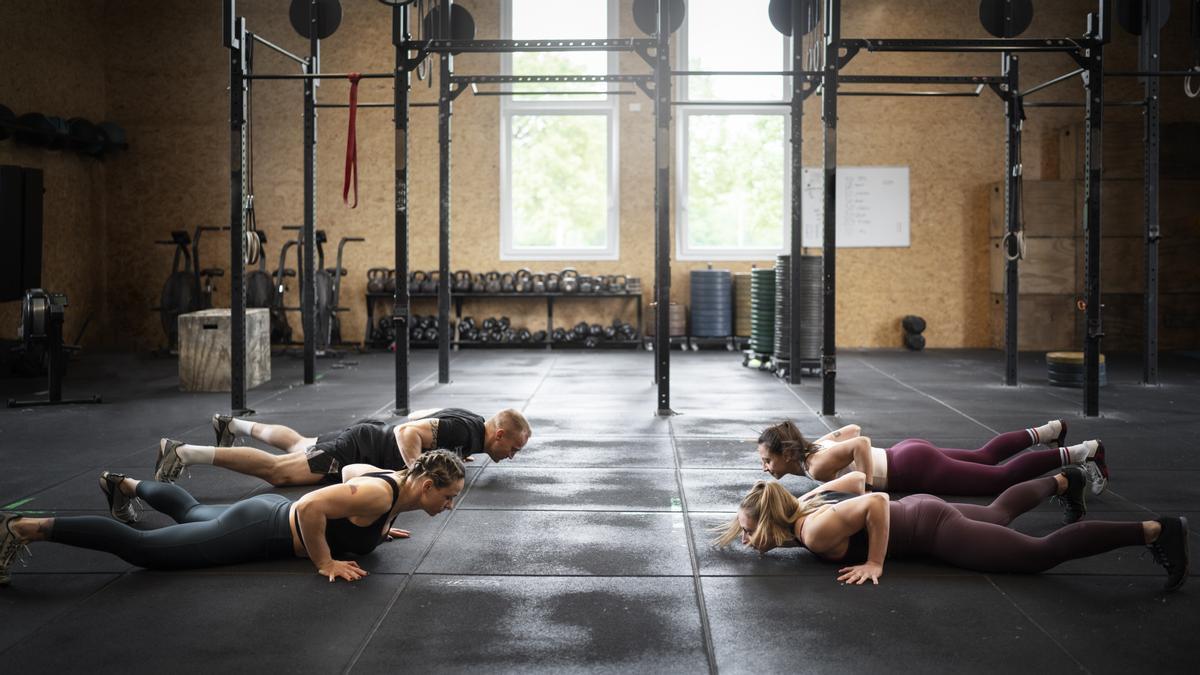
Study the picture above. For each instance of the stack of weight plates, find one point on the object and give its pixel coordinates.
(677, 317)
(762, 311)
(1065, 369)
(811, 306)
(741, 304)
(712, 303)
(783, 308)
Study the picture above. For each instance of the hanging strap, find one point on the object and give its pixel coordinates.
(351, 146)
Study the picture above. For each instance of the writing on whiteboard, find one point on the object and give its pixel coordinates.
(872, 206)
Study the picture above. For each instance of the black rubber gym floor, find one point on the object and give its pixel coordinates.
(590, 552)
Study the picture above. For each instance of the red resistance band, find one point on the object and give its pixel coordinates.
(351, 146)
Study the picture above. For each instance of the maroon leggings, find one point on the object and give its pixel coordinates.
(976, 537)
(916, 465)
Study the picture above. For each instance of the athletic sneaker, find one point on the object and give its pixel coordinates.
(120, 506)
(1074, 500)
(1097, 470)
(1061, 440)
(1171, 550)
(220, 425)
(9, 546)
(169, 466)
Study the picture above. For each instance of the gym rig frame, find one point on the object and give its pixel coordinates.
(833, 54)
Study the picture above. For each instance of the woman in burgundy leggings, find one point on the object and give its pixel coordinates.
(839, 523)
(916, 465)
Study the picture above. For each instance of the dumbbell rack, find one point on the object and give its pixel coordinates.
(550, 299)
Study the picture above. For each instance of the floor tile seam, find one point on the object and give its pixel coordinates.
(370, 634)
(931, 397)
(693, 559)
(116, 576)
(812, 411)
(1035, 624)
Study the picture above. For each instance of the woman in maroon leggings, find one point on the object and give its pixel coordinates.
(839, 523)
(916, 465)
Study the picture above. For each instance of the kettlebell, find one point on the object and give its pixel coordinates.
(492, 282)
(586, 284)
(489, 324)
(430, 285)
(462, 281)
(503, 323)
(559, 335)
(524, 281)
(389, 282)
(376, 278)
(552, 283)
(538, 336)
(508, 282)
(416, 280)
(524, 335)
(596, 330)
(610, 333)
(477, 283)
(616, 283)
(582, 329)
(569, 280)
(538, 283)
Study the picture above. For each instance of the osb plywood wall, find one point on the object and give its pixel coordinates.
(52, 56)
(166, 75)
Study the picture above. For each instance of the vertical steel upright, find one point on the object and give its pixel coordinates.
(1012, 210)
(797, 137)
(445, 110)
(401, 305)
(829, 87)
(662, 208)
(235, 40)
(1094, 159)
(308, 240)
(1150, 40)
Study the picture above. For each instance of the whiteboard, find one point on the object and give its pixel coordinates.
(872, 206)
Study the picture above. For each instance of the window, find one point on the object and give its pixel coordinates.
(734, 160)
(558, 152)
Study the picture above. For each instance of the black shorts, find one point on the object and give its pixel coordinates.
(364, 442)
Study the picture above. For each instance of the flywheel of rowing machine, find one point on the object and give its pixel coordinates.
(35, 316)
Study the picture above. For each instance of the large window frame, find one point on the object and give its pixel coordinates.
(683, 114)
(607, 107)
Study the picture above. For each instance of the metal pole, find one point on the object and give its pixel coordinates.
(662, 209)
(401, 306)
(445, 110)
(1094, 158)
(238, 176)
(1150, 47)
(308, 240)
(1012, 210)
(833, 9)
(797, 124)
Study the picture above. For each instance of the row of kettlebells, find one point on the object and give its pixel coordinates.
(383, 280)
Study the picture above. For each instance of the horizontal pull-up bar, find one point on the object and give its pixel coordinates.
(375, 105)
(302, 61)
(1153, 73)
(552, 93)
(923, 79)
(739, 103)
(683, 73)
(962, 94)
(981, 45)
(322, 76)
(456, 46)
(529, 79)
(1063, 104)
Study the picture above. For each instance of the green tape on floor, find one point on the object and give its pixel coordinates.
(676, 505)
(14, 505)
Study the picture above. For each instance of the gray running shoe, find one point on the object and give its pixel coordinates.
(9, 546)
(120, 506)
(169, 466)
(1096, 477)
(225, 435)
(1074, 499)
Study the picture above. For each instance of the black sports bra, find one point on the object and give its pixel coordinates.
(343, 536)
(856, 552)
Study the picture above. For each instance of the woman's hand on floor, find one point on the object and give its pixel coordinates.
(342, 569)
(395, 533)
(860, 573)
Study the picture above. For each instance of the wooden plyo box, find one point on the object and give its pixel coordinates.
(204, 357)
